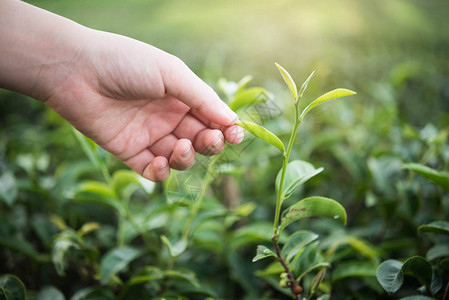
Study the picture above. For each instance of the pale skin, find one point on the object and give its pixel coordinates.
(140, 103)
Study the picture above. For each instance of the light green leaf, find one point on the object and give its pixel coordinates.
(296, 242)
(305, 84)
(176, 248)
(247, 97)
(116, 260)
(313, 207)
(334, 94)
(87, 228)
(149, 273)
(184, 274)
(417, 297)
(419, 268)
(263, 252)
(353, 269)
(8, 188)
(244, 82)
(59, 249)
(12, 288)
(440, 227)
(440, 178)
(438, 251)
(288, 80)
(125, 182)
(97, 192)
(89, 148)
(50, 293)
(389, 274)
(298, 172)
(363, 247)
(263, 134)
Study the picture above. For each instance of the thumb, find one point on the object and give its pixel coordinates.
(181, 83)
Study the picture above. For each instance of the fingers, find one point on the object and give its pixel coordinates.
(181, 83)
(157, 170)
(183, 156)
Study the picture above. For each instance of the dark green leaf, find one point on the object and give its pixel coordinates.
(183, 274)
(389, 274)
(263, 134)
(353, 269)
(89, 148)
(247, 97)
(440, 178)
(59, 249)
(288, 80)
(438, 251)
(93, 293)
(419, 268)
(297, 173)
(313, 207)
(440, 227)
(13, 288)
(263, 252)
(296, 242)
(115, 260)
(334, 94)
(437, 282)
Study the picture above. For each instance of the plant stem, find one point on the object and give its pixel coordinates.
(280, 194)
(199, 199)
(294, 287)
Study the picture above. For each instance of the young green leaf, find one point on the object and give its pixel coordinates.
(116, 260)
(262, 134)
(97, 192)
(440, 178)
(298, 172)
(334, 94)
(296, 242)
(263, 252)
(305, 84)
(440, 227)
(247, 97)
(288, 80)
(244, 82)
(313, 207)
(389, 274)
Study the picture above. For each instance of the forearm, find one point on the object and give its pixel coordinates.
(37, 48)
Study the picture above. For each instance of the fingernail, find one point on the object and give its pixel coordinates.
(187, 153)
(218, 142)
(163, 166)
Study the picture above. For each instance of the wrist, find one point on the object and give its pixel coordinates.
(38, 49)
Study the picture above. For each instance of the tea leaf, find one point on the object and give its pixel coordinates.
(389, 274)
(313, 207)
(116, 260)
(419, 268)
(441, 227)
(416, 297)
(12, 288)
(248, 97)
(50, 293)
(263, 252)
(244, 82)
(262, 134)
(440, 178)
(334, 94)
(296, 242)
(125, 182)
(288, 80)
(97, 192)
(305, 84)
(298, 172)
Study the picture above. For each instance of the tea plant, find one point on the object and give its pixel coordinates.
(291, 176)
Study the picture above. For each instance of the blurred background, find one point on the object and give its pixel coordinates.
(393, 53)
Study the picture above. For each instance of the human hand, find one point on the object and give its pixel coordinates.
(139, 103)
(143, 105)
